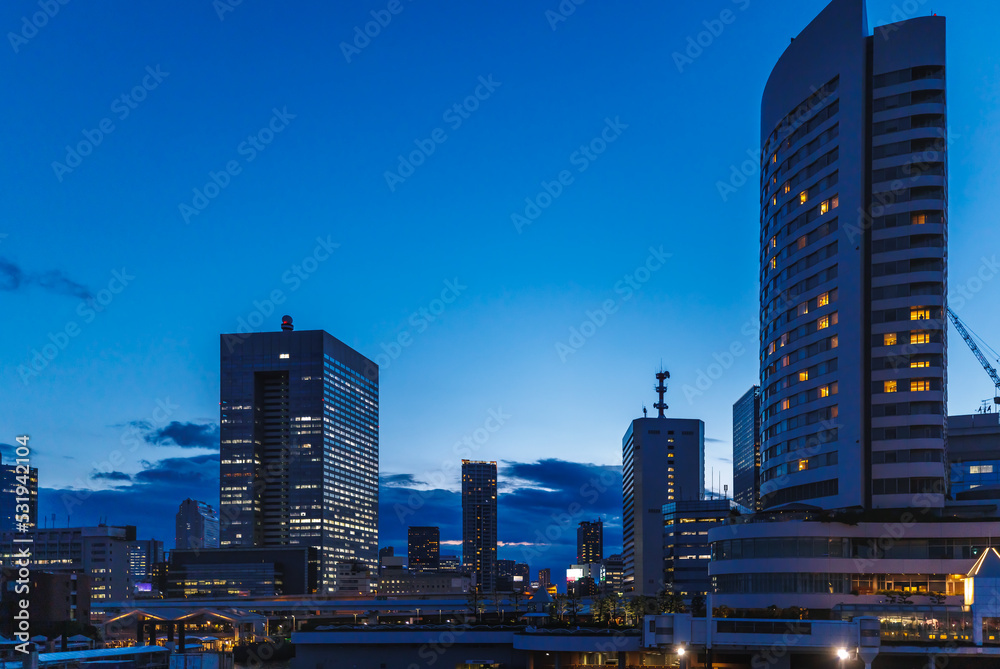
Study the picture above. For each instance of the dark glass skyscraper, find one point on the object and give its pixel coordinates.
(299, 460)
(196, 525)
(479, 521)
(11, 478)
(853, 253)
(423, 548)
(590, 541)
(746, 450)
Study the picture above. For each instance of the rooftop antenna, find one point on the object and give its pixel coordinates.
(661, 389)
(644, 411)
(286, 324)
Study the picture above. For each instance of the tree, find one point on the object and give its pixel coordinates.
(668, 602)
(698, 608)
(722, 612)
(773, 611)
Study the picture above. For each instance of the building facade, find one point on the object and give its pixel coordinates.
(663, 460)
(243, 572)
(18, 487)
(479, 521)
(686, 551)
(101, 553)
(853, 275)
(423, 548)
(299, 433)
(612, 574)
(196, 525)
(974, 456)
(746, 450)
(143, 556)
(590, 541)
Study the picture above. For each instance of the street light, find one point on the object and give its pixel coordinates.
(843, 655)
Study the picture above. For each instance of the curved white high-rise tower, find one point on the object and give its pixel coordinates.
(853, 253)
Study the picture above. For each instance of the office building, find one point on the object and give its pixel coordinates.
(854, 230)
(299, 459)
(544, 578)
(57, 601)
(18, 485)
(686, 551)
(612, 574)
(746, 450)
(974, 456)
(406, 582)
(663, 460)
(143, 556)
(101, 553)
(522, 575)
(590, 541)
(243, 572)
(449, 563)
(196, 525)
(479, 521)
(423, 548)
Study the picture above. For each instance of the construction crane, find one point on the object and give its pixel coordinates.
(963, 330)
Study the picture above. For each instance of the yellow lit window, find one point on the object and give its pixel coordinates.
(786, 361)
(803, 309)
(770, 349)
(891, 386)
(824, 206)
(774, 242)
(804, 375)
(784, 339)
(920, 338)
(823, 323)
(774, 179)
(775, 201)
(785, 404)
(918, 219)
(889, 339)
(774, 262)
(823, 300)
(920, 314)
(788, 187)
(919, 364)
(774, 158)
(919, 386)
(803, 196)
(824, 391)
(803, 465)
(834, 341)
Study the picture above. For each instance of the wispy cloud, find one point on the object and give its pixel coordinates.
(13, 278)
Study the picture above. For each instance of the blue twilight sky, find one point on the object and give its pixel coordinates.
(125, 412)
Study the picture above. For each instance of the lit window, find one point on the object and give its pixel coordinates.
(920, 386)
(803, 196)
(785, 405)
(774, 262)
(774, 242)
(803, 309)
(786, 361)
(774, 158)
(784, 339)
(283, 356)
(775, 201)
(891, 386)
(803, 465)
(920, 314)
(823, 323)
(770, 349)
(802, 242)
(824, 391)
(788, 187)
(920, 338)
(917, 364)
(981, 469)
(918, 219)
(834, 341)
(823, 300)
(835, 202)
(889, 339)
(804, 375)
(824, 206)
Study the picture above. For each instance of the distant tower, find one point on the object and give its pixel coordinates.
(479, 521)
(663, 460)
